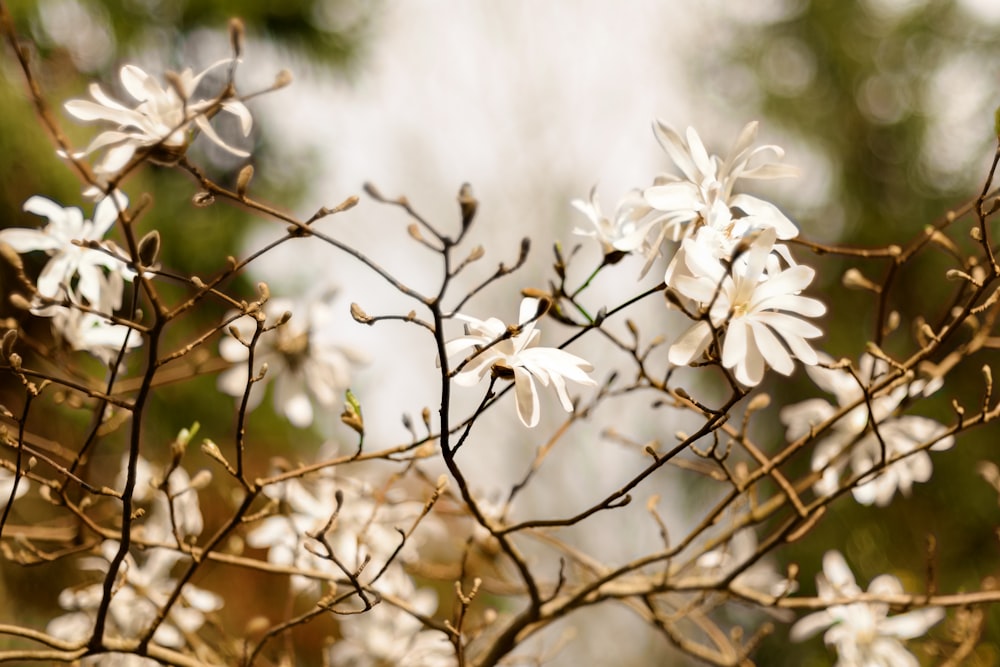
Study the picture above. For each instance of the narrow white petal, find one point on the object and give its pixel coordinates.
(690, 345)
(773, 351)
(678, 196)
(239, 110)
(526, 396)
(210, 132)
(117, 157)
(838, 574)
(735, 345)
(807, 626)
(87, 110)
(912, 624)
(23, 239)
(140, 85)
(675, 147)
(784, 323)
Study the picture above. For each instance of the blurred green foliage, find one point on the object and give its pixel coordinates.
(325, 32)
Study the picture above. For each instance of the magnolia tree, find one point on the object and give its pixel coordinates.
(394, 565)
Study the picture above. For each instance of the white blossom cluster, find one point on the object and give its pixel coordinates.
(332, 527)
(729, 270)
(145, 582)
(82, 285)
(730, 273)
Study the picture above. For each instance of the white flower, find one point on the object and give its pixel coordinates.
(363, 528)
(285, 535)
(862, 632)
(753, 308)
(628, 230)
(140, 592)
(173, 511)
(73, 271)
(387, 635)
(850, 440)
(301, 356)
(517, 358)
(703, 196)
(162, 118)
(91, 332)
(7, 485)
(732, 556)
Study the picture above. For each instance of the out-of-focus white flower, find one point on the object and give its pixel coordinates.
(79, 274)
(517, 358)
(140, 592)
(387, 635)
(161, 120)
(7, 485)
(302, 357)
(863, 633)
(760, 576)
(363, 528)
(626, 232)
(174, 510)
(91, 332)
(73, 270)
(849, 439)
(285, 535)
(759, 315)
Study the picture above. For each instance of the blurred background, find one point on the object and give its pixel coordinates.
(885, 105)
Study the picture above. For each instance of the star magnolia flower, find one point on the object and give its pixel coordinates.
(849, 439)
(139, 594)
(91, 332)
(301, 356)
(704, 195)
(162, 119)
(518, 359)
(78, 274)
(752, 309)
(862, 632)
(73, 271)
(626, 233)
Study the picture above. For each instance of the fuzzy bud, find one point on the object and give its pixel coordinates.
(11, 257)
(237, 32)
(149, 248)
(468, 204)
(203, 199)
(284, 78)
(243, 180)
(360, 315)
